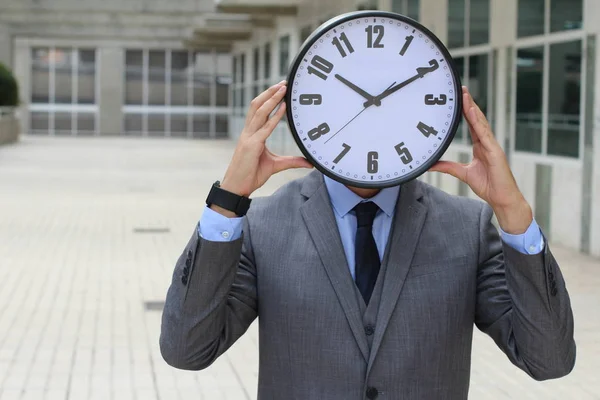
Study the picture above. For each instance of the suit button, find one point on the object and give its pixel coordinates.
(554, 291)
(189, 254)
(553, 284)
(372, 393)
(369, 330)
(188, 262)
(184, 280)
(551, 276)
(186, 271)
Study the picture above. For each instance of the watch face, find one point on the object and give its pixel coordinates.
(374, 99)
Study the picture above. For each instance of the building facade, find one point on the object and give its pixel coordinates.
(116, 68)
(531, 65)
(190, 69)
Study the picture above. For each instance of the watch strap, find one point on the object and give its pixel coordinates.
(227, 200)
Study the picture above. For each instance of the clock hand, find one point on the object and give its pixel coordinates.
(358, 90)
(421, 72)
(347, 123)
(356, 116)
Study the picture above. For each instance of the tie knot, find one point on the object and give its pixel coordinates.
(365, 213)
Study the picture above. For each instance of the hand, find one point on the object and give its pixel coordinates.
(358, 90)
(252, 163)
(421, 72)
(489, 175)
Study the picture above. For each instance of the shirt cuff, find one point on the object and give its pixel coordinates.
(530, 242)
(215, 227)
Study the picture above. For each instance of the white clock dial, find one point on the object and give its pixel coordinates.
(373, 99)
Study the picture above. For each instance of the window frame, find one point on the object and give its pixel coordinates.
(467, 27)
(190, 111)
(546, 41)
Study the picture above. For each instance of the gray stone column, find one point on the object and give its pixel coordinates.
(433, 14)
(111, 89)
(5, 46)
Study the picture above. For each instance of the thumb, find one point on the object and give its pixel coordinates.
(282, 163)
(455, 169)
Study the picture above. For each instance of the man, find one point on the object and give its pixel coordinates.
(365, 293)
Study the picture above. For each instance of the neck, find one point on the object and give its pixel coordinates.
(364, 193)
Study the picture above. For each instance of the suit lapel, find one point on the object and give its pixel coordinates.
(408, 223)
(320, 221)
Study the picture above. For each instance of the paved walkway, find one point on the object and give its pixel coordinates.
(90, 230)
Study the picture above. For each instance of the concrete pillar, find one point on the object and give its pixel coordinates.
(6, 51)
(592, 142)
(21, 61)
(111, 90)
(433, 14)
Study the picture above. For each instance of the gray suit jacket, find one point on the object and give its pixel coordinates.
(447, 270)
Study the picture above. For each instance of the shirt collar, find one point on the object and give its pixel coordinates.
(344, 200)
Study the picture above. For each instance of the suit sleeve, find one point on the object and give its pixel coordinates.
(211, 302)
(523, 304)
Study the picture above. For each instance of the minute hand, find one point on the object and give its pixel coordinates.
(421, 72)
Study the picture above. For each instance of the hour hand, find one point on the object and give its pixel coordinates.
(371, 99)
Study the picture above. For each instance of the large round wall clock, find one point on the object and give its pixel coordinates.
(374, 99)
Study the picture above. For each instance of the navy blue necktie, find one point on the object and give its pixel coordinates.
(366, 256)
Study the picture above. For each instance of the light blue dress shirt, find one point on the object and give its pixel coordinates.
(218, 228)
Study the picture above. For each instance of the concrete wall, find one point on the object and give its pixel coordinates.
(5, 45)
(143, 6)
(111, 65)
(9, 129)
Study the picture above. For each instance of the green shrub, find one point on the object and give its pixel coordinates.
(9, 89)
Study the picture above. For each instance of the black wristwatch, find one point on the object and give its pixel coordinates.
(227, 200)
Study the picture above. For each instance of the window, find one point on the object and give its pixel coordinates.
(256, 72)
(242, 83)
(475, 73)
(235, 89)
(537, 17)
(557, 130)
(267, 65)
(284, 54)
(223, 79)
(468, 26)
(157, 77)
(548, 82)
(566, 15)
(409, 8)
(180, 68)
(530, 82)
(63, 91)
(134, 77)
(468, 23)
(175, 92)
(203, 71)
(564, 94)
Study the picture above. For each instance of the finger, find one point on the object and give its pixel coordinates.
(478, 124)
(282, 163)
(262, 114)
(472, 104)
(268, 128)
(466, 108)
(455, 169)
(259, 100)
(480, 130)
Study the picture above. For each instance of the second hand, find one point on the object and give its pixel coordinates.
(356, 116)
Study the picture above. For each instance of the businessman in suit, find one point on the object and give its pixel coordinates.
(368, 293)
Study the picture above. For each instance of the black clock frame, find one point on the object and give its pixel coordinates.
(451, 130)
